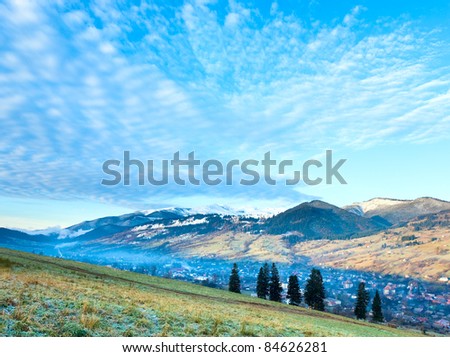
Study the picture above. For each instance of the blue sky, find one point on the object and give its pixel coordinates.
(83, 81)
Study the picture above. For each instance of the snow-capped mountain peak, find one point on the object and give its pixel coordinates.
(222, 210)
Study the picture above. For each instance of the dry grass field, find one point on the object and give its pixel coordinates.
(426, 256)
(41, 296)
(420, 254)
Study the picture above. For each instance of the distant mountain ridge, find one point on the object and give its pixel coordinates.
(182, 232)
(137, 218)
(317, 219)
(397, 211)
(216, 209)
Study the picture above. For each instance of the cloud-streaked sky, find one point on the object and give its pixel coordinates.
(83, 81)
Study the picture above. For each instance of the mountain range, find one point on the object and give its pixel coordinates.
(397, 211)
(222, 233)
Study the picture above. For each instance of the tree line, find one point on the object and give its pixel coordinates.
(268, 286)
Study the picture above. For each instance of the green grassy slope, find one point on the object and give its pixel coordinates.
(42, 296)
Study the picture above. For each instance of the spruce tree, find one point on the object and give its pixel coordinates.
(275, 288)
(362, 300)
(262, 284)
(235, 282)
(293, 293)
(377, 314)
(315, 291)
(267, 275)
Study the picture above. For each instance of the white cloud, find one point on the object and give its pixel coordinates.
(23, 12)
(107, 48)
(232, 19)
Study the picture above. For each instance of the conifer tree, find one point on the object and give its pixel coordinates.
(267, 275)
(377, 313)
(362, 300)
(275, 288)
(293, 293)
(235, 282)
(262, 283)
(315, 291)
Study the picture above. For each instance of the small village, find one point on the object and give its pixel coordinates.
(405, 302)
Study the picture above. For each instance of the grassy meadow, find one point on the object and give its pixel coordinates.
(43, 296)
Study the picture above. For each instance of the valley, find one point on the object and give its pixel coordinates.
(408, 261)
